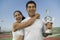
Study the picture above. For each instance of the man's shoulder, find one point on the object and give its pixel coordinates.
(40, 21)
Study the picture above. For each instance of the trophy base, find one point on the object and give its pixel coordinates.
(47, 34)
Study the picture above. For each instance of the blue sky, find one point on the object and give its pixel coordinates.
(7, 8)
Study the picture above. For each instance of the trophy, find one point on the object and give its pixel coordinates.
(48, 23)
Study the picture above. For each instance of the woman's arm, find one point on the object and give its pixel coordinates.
(22, 25)
(20, 37)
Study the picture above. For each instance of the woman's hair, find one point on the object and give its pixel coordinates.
(20, 13)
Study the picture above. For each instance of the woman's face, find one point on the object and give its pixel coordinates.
(18, 16)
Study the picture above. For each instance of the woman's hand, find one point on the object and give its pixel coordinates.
(37, 16)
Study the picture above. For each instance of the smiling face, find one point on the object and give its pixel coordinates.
(31, 9)
(18, 16)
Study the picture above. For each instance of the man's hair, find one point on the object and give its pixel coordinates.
(29, 2)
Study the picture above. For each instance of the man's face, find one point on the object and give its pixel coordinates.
(31, 9)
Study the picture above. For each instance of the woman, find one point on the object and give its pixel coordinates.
(19, 25)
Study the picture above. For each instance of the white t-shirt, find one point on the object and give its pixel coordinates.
(34, 32)
(17, 33)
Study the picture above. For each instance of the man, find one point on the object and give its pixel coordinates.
(34, 31)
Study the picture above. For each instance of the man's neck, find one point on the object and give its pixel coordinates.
(32, 16)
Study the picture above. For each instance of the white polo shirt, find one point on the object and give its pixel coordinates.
(34, 32)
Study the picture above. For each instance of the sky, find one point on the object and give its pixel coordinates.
(7, 8)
